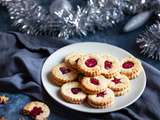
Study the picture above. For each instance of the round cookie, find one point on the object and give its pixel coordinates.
(37, 110)
(110, 66)
(102, 100)
(71, 92)
(89, 65)
(62, 74)
(122, 92)
(131, 67)
(119, 82)
(94, 85)
(72, 59)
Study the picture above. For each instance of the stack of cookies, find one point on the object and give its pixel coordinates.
(96, 78)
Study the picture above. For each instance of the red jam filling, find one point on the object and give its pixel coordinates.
(94, 81)
(128, 65)
(35, 111)
(75, 90)
(116, 80)
(64, 70)
(107, 64)
(91, 62)
(101, 94)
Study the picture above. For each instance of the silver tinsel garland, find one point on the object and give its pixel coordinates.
(136, 6)
(63, 21)
(74, 22)
(105, 13)
(149, 41)
(29, 17)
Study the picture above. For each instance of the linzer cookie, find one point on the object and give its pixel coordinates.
(119, 82)
(62, 74)
(101, 100)
(131, 67)
(72, 59)
(89, 65)
(94, 85)
(71, 92)
(110, 66)
(37, 110)
(121, 92)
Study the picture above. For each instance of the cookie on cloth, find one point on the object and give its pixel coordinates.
(119, 82)
(71, 92)
(37, 110)
(4, 99)
(89, 64)
(62, 74)
(72, 59)
(94, 85)
(131, 67)
(102, 100)
(121, 92)
(110, 66)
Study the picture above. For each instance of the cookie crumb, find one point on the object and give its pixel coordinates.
(3, 118)
(4, 99)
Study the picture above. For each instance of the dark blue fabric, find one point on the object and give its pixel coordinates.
(22, 57)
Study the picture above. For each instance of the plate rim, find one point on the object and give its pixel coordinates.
(92, 112)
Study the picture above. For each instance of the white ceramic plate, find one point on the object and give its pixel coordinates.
(137, 85)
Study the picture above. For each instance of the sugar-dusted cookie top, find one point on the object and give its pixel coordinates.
(89, 64)
(131, 67)
(93, 85)
(72, 92)
(62, 74)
